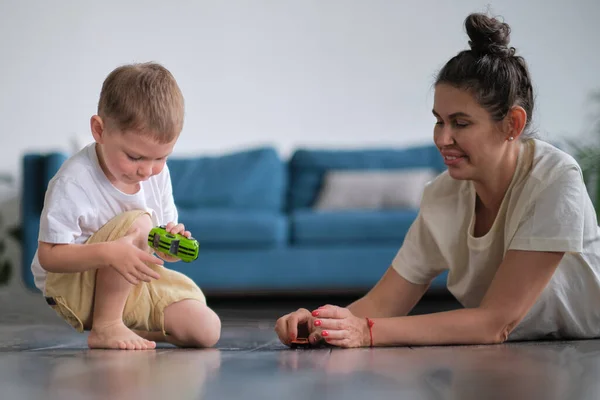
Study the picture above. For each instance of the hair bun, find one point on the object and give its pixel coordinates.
(488, 35)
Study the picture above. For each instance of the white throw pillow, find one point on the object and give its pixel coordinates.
(373, 189)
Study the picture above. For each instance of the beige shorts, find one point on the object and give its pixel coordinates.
(71, 295)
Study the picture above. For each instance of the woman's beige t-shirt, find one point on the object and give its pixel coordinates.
(546, 208)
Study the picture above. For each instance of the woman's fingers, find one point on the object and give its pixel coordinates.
(339, 342)
(302, 316)
(287, 327)
(329, 335)
(328, 323)
(315, 336)
(329, 311)
(281, 330)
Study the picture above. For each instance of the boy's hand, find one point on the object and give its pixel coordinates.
(128, 260)
(174, 228)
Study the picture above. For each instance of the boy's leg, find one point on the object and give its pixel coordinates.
(192, 324)
(111, 292)
(189, 323)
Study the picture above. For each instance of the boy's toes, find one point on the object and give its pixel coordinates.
(117, 336)
(144, 344)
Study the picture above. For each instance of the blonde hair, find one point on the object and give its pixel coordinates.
(145, 98)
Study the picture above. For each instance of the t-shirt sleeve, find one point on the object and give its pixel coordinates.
(554, 219)
(66, 205)
(169, 210)
(419, 260)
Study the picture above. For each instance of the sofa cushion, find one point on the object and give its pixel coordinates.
(347, 227)
(373, 190)
(308, 167)
(216, 228)
(253, 179)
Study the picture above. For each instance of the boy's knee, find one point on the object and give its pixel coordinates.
(214, 333)
(143, 224)
(192, 324)
(208, 332)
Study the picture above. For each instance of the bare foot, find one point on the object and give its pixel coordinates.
(117, 336)
(159, 337)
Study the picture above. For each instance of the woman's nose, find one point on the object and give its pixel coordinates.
(444, 137)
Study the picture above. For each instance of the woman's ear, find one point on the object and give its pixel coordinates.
(97, 127)
(516, 120)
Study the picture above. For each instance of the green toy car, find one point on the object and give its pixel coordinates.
(176, 245)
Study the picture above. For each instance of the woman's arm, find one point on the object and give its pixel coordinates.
(392, 296)
(519, 281)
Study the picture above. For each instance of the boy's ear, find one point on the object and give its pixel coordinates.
(97, 127)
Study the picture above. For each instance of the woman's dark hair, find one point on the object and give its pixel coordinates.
(490, 70)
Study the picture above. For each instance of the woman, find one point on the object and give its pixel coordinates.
(510, 220)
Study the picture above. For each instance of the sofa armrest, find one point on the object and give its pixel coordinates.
(38, 169)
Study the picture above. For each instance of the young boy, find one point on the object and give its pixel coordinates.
(93, 263)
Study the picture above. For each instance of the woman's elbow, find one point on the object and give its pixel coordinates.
(498, 330)
(497, 337)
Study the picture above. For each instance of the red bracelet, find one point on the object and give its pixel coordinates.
(370, 324)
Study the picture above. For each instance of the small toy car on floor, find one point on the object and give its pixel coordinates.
(176, 245)
(300, 343)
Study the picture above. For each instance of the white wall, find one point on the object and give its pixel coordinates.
(290, 73)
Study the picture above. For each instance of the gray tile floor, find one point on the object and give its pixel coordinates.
(42, 358)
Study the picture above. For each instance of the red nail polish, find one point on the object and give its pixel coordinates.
(315, 313)
(324, 333)
(318, 323)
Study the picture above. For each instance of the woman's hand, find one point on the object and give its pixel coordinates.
(287, 327)
(339, 327)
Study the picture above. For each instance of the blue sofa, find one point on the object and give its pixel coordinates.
(252, 213)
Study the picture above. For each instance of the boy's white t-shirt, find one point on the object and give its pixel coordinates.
(80, 200)
(546, 208)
